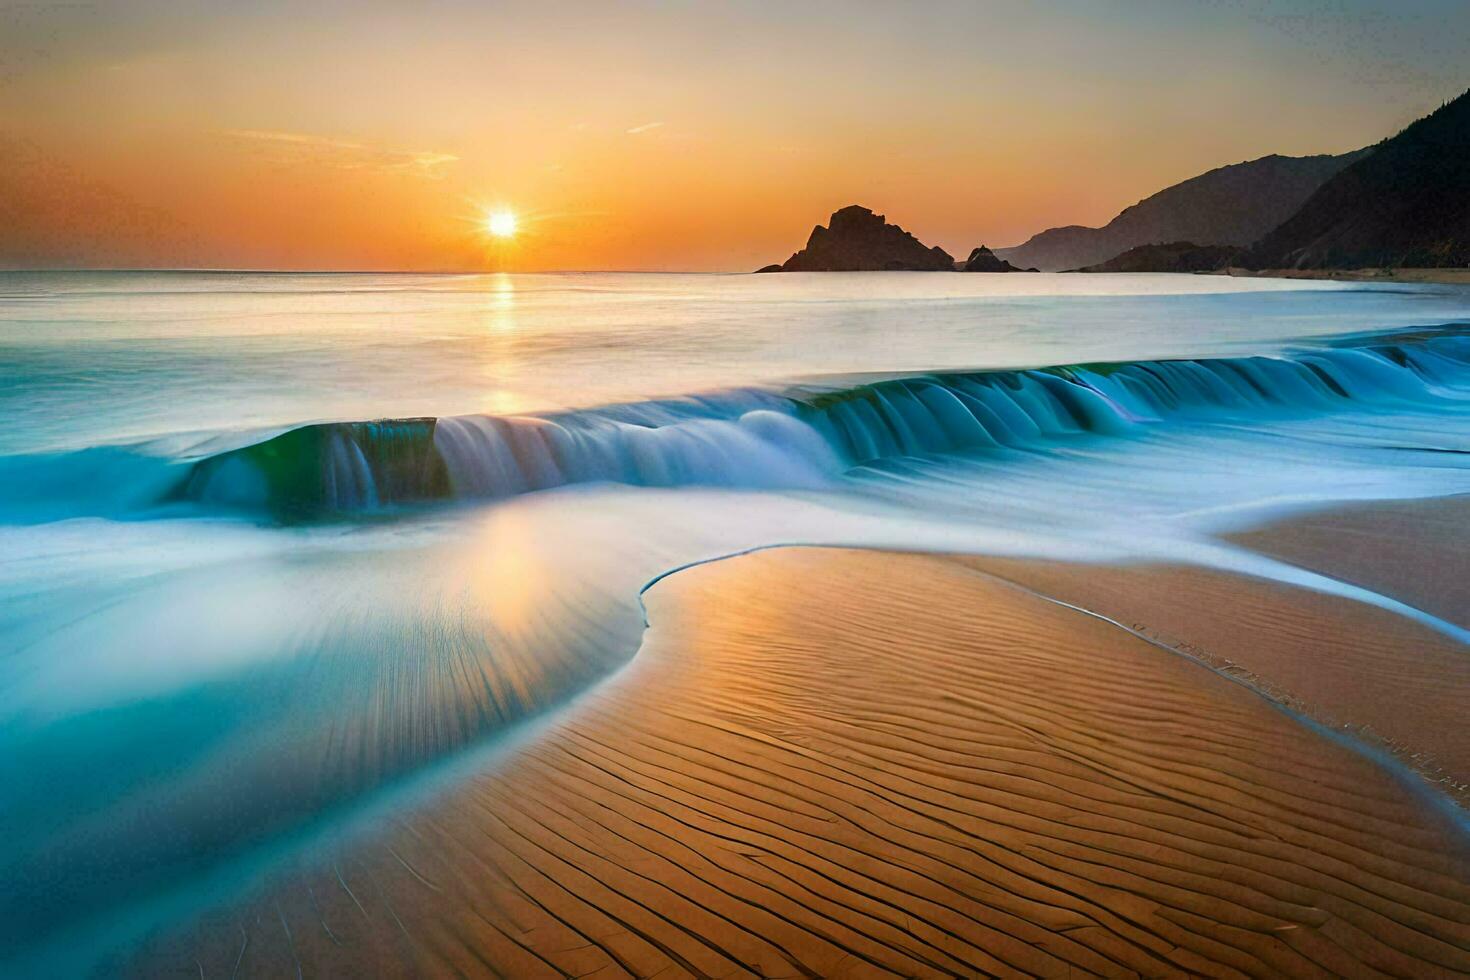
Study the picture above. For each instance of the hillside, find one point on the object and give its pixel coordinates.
(1232, 205)
(1407, 203)
(1169, 257)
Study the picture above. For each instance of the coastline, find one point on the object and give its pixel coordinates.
(1398, 547)
(1347, 666)
(853, 762)
(1446, 276)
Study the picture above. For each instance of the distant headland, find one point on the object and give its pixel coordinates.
(857, 240)
(1403, 203)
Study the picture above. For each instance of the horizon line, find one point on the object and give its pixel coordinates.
(50, 270)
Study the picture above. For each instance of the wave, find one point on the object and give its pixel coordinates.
(348, 467)
(799, 438)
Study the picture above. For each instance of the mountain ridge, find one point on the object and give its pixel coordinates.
(1404, 204)
(1235, 204)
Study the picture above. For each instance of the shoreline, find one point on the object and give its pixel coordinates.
(1446, 276)
(827, 762)
(1328, 661)
(1332, 661)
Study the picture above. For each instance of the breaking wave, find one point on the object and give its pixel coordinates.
(758, 438)
(801, 438)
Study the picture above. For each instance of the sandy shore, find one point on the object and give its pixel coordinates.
(1458, 277)
(1351, 666)
(830, 763)
(1417, 551)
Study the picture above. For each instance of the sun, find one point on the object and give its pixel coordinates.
(500, 224)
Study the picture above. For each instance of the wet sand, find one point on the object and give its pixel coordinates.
(843, 763)
(1418, 551)
(1384, 679)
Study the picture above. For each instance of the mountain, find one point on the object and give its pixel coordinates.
(983, 259)
(1232, 205)
(1169, 257)
(857, 240)
(1407, 203)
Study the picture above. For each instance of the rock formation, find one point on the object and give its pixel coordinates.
(983, 259)
(857, 240)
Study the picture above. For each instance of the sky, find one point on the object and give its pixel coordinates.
(658, 136)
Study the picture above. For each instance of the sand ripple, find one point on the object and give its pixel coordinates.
(857, 764)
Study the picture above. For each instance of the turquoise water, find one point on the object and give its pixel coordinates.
(274, 548)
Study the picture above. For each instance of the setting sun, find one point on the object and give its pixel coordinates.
(500, 224)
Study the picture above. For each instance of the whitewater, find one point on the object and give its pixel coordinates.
(278, 551)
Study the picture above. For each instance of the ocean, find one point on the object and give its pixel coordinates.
(283, 553)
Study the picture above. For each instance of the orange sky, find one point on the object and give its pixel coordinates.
(656, 136)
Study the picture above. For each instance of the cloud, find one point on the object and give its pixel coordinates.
(646, 127)
(344, 154)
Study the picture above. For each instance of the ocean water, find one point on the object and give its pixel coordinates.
(280, 553)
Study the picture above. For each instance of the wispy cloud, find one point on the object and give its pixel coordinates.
(646, 127)
(345, 154)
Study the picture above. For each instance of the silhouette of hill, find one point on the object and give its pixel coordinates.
(1232, 205)
(857, 240)
(1169, 257)
(1407, 203)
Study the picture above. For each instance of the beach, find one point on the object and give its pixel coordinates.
(1386, 681)
(855, 763)
(1444, 276)
(900, 624)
